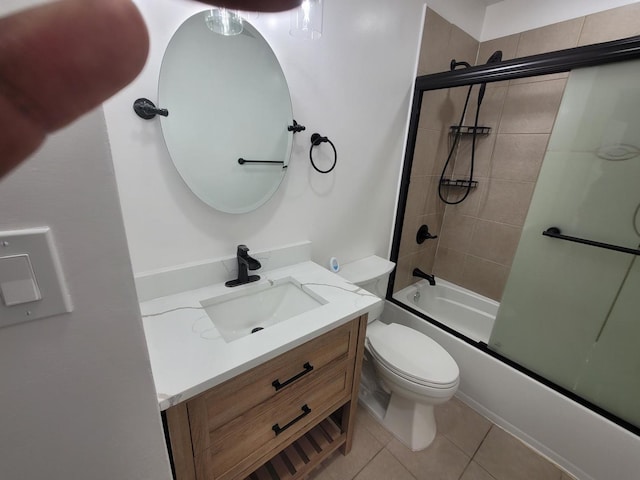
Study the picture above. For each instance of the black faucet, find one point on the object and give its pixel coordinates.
(245, 263)
(419, 273)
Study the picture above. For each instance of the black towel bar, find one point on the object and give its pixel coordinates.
(242, 161)
(556, 233)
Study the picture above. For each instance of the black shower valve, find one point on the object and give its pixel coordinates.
(423, 234)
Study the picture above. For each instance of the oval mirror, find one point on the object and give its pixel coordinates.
(228, 100)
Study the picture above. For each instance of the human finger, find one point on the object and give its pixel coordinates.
(59, 61)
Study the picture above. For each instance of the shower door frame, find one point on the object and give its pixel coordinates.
(531, 66)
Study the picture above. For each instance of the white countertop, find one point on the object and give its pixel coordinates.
(188, 354)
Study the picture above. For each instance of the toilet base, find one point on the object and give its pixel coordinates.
(412, 423)
(371, 393)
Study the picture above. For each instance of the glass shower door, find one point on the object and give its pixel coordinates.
(570, 311)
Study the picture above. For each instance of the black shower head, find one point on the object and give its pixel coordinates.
(494, 58)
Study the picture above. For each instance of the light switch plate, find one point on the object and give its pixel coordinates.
(38, 244)
(17, 281)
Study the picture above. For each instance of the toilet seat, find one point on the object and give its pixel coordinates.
(413, 356)
(412, 379)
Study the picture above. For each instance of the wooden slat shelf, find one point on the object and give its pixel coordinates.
(299, 458)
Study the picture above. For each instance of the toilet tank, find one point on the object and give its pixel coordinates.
(372, 274)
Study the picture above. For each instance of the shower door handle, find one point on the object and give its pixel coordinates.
(556, 233)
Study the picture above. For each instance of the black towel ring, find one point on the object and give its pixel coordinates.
(317, 139)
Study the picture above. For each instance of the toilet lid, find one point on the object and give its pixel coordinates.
(413, 355)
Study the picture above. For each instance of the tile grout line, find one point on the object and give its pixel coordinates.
(485, 471)
(472, 457)
(482, 441)
(367, 464)
(398, 460)
(584, 20)
(466, 467)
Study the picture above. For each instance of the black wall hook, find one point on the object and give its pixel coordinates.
(146, 109)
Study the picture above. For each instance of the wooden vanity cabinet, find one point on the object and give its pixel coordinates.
(276, 421)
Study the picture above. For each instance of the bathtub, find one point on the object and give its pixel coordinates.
(460, 309)
(587, 445)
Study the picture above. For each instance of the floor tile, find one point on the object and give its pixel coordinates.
(462, 425)
(506, 458)
(384, 467)
(442, 460)
(319, 473)
(475, 472)
(340, 467)
(365, 419)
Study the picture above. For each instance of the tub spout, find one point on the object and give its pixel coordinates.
(419, 273)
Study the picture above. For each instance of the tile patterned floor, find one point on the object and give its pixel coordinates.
(467, 447)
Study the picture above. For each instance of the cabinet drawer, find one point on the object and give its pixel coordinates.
(227, 401)
(242, 442)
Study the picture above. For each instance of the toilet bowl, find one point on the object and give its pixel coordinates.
(415, 372)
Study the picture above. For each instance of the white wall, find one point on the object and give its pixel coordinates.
(353, 85)
(514, 16)
(76, 394)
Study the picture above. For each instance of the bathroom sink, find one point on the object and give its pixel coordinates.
(238, 314)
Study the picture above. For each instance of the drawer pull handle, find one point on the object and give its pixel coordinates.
(277, 385)
(278, 429)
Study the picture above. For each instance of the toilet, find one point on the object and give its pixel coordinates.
(405, 373)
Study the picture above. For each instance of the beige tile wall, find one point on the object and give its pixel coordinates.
(478, 238)
(441, 42)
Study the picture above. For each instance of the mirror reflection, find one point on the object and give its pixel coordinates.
(228, 100)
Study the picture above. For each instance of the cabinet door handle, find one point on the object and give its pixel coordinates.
(277, 385)
(305, 411)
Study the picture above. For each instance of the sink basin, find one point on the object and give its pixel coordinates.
(241, 313)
